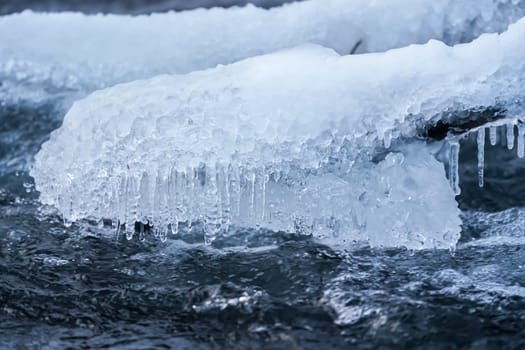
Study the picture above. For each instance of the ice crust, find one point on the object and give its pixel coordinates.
(51, 53)
(289, 141)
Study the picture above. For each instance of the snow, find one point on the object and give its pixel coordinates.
(53, 53)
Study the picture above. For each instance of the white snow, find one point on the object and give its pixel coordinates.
(44, 53)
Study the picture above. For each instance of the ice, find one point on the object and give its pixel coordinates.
(504, 127)
(493, 135)
(521, 142)
(42, 54)
(453, 167)
(481, 155)
(510, 136)
(290, 141)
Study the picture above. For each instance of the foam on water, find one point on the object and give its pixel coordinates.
(64, 52)
(287, 141)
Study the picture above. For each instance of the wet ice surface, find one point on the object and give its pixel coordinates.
(81, 287)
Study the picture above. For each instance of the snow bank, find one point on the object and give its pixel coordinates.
(42, 54)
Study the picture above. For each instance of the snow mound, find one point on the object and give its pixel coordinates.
(51, 53)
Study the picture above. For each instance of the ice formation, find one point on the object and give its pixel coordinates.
(504, 127)
(289, 141)
(50, 53)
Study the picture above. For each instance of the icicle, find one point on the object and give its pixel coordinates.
(180, 181)
(164, 214)
(387, 139)
(266, 178)
(121, 200)
(234, 191)
(521, 141)
(131, 206)
(224, 196)
(190, 189)
(172, 201)
(212, 220)
(145, 199)
(453, 168)
(510, 136)
(252, 195)
(493, 136)
(157, 202)
(227, 196)
(258, 189)
(238, 190)
(481, 155)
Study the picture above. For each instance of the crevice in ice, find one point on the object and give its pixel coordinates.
(456, 123)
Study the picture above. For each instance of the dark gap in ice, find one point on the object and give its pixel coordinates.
(459, 122)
